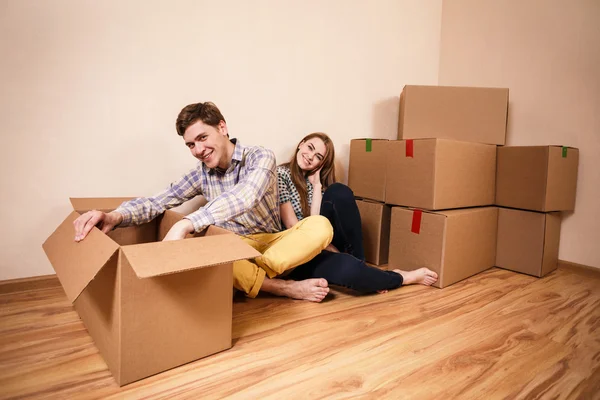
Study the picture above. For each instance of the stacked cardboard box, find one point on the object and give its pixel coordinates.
(455, 243)
(467, 114)
(366, 175)
(442, 173)
(536, 182)
(375, 218)
(439, 176)
(367, 181)
(446, 170)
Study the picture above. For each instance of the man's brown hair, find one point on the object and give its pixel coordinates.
(206, 112)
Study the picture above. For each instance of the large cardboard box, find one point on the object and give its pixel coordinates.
(538, 178)
(375, 218)
(148, 305)
(468, 114)
(437, 174)
(366, 173)
(528, 241)
(456, 244)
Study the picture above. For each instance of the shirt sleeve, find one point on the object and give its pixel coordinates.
(283, 181)
(145, 209)
(259, 177)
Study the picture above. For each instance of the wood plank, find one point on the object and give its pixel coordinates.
(579, 268)
(574, 376)
(24, 284)
(499, 334)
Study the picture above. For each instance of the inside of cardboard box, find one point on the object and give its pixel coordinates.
(156, 230)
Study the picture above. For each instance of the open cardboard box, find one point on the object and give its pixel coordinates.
(148, 305)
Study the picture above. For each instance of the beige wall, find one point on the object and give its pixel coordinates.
(548, 53)
(91, 89)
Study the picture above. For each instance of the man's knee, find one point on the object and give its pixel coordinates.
(318, 225)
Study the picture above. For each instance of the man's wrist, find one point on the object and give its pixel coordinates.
(200, 219)
(187, 225)
(116, 217)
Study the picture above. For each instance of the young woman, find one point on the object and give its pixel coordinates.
(307, 187)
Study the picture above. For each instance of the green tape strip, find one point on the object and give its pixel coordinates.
(368, 145)
(564, 153)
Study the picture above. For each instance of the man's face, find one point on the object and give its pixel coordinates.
(209, 144)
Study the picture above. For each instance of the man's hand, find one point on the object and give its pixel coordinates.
(331, 248)
(179, 230)
(85, 222)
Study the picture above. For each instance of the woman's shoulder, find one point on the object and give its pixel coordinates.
(284, 171)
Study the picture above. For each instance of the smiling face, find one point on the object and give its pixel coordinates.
(310, 154)
(209, 144)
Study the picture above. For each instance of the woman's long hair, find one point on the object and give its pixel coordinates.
(327, 170)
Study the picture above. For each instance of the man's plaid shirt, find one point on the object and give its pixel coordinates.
(242, 199)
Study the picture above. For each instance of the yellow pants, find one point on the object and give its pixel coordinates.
(281, 252)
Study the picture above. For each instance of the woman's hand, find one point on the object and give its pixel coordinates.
(315, 177)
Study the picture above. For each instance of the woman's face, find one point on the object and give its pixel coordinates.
(310, 154)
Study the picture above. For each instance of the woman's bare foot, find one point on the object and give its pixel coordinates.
(308, 289)
(422, 276)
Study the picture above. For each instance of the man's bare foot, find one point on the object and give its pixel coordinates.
(331, 248)
(308, 289)
(422, 276)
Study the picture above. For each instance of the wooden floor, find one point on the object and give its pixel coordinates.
(497, 335)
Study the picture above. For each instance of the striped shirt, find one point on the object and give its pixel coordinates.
(242, 199)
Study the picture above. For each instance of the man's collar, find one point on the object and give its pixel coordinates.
(238, 154)
(238, 151)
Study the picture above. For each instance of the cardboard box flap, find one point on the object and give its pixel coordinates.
(368, 143)
(77, 263)
(83, 204)
(459, 211)
(215, 230)
(424, 211)
(161, 258)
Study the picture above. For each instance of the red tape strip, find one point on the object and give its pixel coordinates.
(416, 221)
(409, 148)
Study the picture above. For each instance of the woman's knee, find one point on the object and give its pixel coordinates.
(350, 270)
(338, 191)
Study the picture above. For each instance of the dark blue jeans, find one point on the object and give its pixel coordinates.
(347, 268)
(339, 207)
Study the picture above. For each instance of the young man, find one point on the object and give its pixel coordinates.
(240, 184)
